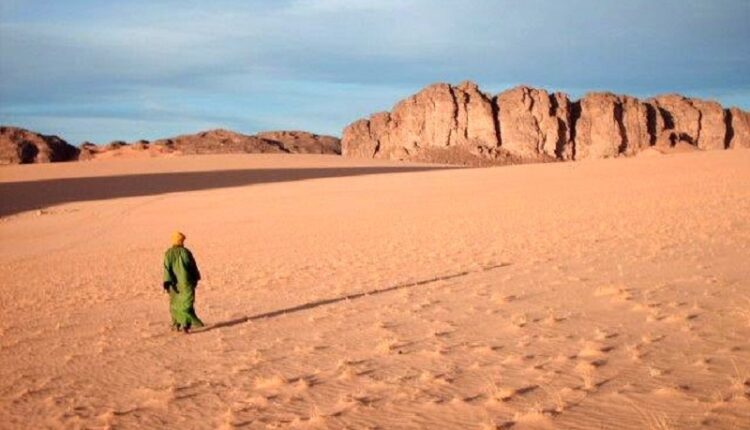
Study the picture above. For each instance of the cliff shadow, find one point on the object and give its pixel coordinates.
(729, 135)
(16, 197)
(575, 115)
(651, 123)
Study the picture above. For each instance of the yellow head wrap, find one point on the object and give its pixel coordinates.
(178, 238)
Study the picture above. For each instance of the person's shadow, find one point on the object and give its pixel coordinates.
(324, 302)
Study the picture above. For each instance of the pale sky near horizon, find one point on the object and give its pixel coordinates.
(139, 69)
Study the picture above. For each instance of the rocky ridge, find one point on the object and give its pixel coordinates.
(226, 141)
(462, 125)
(20, 146)
(302, 142)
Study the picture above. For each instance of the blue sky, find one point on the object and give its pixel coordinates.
(105, 70)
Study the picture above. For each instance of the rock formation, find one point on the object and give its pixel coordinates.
(597, 132)
(302, 142)
(225, 141)
(219, 142)
(461, 125)
(20, 146)
(438, 117)
(534, 123)
(738, 125)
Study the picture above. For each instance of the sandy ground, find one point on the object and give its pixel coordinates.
(355, 294)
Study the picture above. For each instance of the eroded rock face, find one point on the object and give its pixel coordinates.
(427, 119)
(637, 125)
(362, 142)
(20, 146)
(475, 118)
(713, 127)
(739, 128)
(524, 124)
(439, 116)
(534, 123)
(612, 125)
(598, 133)
(680, 118)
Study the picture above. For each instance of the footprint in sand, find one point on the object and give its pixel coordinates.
(506, 394)
(594, 349)
(501, 299)
(272, 382)
(615, 293)
(519, 320)
(389, 345)
(603, 334)
(651, 338)
(587, 373)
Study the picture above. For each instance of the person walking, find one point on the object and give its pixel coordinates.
(181, 278)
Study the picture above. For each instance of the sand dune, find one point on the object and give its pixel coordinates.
(361, 294)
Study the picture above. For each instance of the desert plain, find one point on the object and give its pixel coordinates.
(344, 293)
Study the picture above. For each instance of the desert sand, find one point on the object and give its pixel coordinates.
(340, 293)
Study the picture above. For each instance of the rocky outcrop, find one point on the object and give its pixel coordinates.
(23, 146)
(225, 141)
(438, 117)
(638, 121)
(598, 133)
(219, 141)
(87, 151)
(738, 125)
(302, 142)
(20, 146)
(524, 124)
(612, 125)
(696, 122)
(534, 123)
(713, 129)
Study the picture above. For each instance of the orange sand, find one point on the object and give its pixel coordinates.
(610, 294)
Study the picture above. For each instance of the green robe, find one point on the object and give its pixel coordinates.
(182, 272)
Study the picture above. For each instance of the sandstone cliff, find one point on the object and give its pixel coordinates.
(461, 125)
(20, 146)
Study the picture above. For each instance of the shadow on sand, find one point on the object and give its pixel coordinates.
(16, 197)
(355, 296)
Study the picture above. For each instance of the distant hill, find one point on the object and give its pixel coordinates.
(20, 146)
